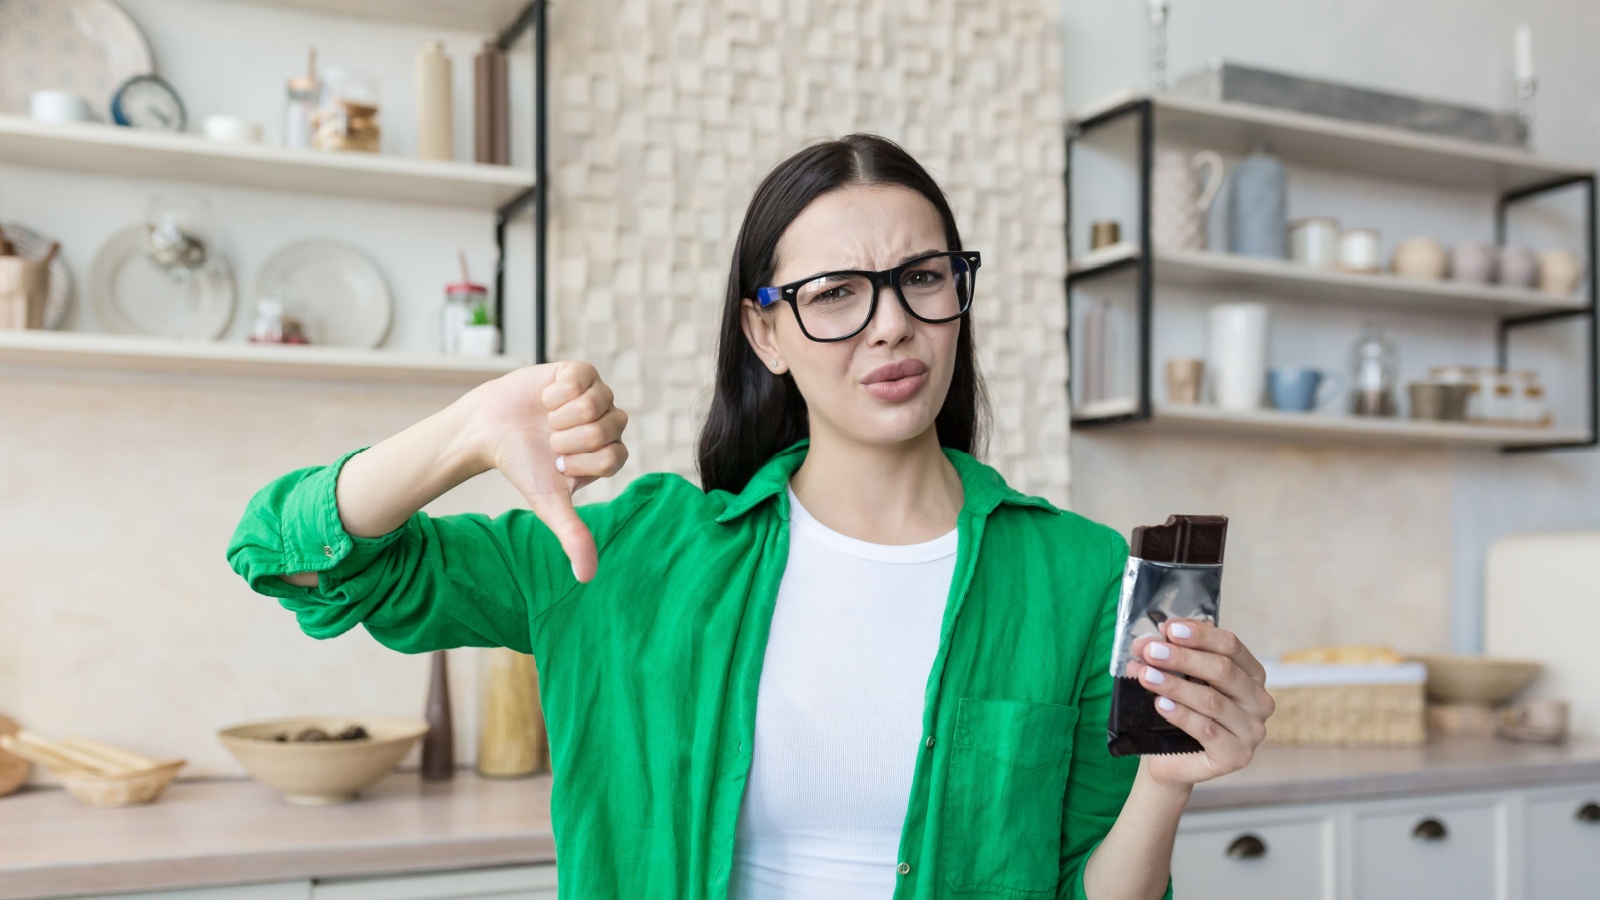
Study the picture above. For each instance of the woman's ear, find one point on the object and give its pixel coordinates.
(758, 331)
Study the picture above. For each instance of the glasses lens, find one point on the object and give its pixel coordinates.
(937, 288)
(835, 305)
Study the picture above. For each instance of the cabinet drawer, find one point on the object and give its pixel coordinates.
(1561, 844)
(1442, 847)
(1265, 857)
(502, 883)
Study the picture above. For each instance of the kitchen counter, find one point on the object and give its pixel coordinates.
(1331, 774)
(230, 832)
(217, 832)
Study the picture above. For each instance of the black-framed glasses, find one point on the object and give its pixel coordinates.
(836, 306)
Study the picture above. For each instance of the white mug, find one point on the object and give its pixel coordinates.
(1314, 242)
(58, 106)
(1358, 250)
(1237, 355)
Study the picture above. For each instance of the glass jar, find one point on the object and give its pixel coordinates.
(511, 735)
(1374, 374)
(347, 118)
(301, 100)
(1528, 394)
(460, 301)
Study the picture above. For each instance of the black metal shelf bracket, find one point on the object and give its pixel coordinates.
(1592, 328)
(534, 19)
(1143, 110)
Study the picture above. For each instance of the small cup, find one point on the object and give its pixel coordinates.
(1539, 719)
(231, 130)
(1438, 402)
(1559, 272)
(1185, 377)
(1421, 258)
(1302, 389)
(58, 107)
(1358, 251)
(1517, 267)
(1104, 233)
(478, 340)
(1314, 242)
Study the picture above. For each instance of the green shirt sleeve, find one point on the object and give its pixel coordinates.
(1097, 783)
(434, 583)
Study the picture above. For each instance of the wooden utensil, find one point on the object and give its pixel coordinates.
(14, 770)
(97, 773)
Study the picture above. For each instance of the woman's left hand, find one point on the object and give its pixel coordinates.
(1227, 715)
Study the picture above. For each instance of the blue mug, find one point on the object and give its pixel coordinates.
(1301, 388)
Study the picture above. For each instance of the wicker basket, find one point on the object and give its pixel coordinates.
(1379, 706)
(127, 789)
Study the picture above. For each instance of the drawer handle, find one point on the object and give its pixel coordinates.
(1589, 812)
(1247, 846)
(1430, 830)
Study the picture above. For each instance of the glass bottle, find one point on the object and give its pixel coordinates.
(300, 111)
(511, 735)
(1374, 374)
(460, 299)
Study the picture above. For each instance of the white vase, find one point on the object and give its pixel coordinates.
(1237, 355)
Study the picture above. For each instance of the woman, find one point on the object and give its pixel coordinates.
(856, 664)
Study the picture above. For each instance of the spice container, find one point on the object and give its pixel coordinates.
(303, 96)
(1374, 374)
(460, 300)
(347, 118)
(1528, 397)
(511, 736)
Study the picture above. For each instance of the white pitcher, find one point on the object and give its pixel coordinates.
(1180, 199)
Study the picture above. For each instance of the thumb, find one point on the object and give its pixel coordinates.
(554, 508)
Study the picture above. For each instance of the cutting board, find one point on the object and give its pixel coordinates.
(1542, 602)
(13, 769)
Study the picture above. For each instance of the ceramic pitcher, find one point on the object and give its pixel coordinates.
(1180, 197)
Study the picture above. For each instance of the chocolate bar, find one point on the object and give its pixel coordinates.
(1174, 572)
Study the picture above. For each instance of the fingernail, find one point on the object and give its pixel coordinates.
(1166, 704)
(1160, 651)
(561, 464)
(1180, 630)
(1154, 676)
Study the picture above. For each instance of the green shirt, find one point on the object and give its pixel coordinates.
(648, 673)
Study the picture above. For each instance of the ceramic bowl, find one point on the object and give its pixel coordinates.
(1477, 679)
(316, 773)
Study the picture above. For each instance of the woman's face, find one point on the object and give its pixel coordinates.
(851, 386)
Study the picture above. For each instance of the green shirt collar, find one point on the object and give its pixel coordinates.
(982, 486)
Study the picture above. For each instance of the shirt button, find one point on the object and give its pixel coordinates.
(904, 868)
(327, 551)
(930, 741)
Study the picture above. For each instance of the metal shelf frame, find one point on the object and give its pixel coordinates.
(1142, 111)
(534, 19)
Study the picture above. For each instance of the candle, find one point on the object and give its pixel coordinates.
(1524, 55)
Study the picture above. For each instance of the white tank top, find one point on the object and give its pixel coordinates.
(839, 714)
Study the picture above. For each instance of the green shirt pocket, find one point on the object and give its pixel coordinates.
(1003, 797)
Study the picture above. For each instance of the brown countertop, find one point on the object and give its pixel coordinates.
(219, 832)
(230, 832)
(1332, 774)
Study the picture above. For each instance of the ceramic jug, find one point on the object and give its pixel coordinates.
(1258, 192)
(1180, 197)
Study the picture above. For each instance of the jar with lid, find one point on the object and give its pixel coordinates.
(1528, 396)
(461, 300)
(1499, 395)
(347, 118)
(1374, 374)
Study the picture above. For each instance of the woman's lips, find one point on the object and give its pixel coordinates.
(897, 380)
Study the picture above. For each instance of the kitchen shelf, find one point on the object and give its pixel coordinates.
(1297, 283)
(486, 16)
(1326, 142)
(115, 151)
(39, 350)
(1314, 427)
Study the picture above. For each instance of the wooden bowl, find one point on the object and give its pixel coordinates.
(127, 789)
(1477, 679)
(316, 773)
(14, 770)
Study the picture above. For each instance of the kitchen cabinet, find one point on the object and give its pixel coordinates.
(1540, 843)
(502, 883)
(1561, 836)
(278, 890)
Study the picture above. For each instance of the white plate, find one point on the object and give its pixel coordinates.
(337, 293)
(132, 295)
(88, 47)
(34, 245)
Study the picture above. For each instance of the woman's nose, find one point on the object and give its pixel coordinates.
(890, 323)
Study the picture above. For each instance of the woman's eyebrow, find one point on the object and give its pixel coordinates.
(910, 256)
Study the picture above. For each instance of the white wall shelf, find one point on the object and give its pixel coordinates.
(40, 350)
(486, 16)
(1326, 142)
(114, 151)
(1296, 283)
(1323, 428)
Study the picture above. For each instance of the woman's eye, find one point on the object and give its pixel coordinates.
(921, 278)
